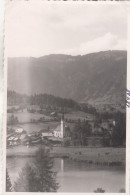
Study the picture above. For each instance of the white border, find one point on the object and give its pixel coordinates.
(124, 4)
(1, 82)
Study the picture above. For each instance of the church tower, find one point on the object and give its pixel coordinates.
(62, 126)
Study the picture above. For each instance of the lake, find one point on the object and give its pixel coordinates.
(77, 176)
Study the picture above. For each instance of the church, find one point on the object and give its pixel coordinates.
(59, 132)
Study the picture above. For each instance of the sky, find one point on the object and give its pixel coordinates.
(75, 28)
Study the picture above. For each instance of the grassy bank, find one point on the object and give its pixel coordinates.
(99, 156)
(105, 156)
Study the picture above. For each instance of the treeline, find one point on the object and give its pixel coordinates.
(46, 99)
(119, 131)
(14, 98)
(100, 116)
(87, 108)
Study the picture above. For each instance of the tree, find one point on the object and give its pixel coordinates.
(8, 182)
(67, 143)
(38, 177)
(80, 131)
(46, 176)
(13, 120)
(119, 130)
(27, 180)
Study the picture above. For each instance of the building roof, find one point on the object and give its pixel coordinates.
(44, 134)
(58, 128)
(55, 138)
(19, 130)
(15, 139)
(11, 138)
(53, 113)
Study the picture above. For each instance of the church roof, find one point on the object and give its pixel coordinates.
(58, 128)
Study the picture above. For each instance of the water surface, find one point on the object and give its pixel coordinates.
(76, 176)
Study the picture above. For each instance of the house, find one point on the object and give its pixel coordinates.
(55, 141)
(114, 123)
(19, 130)
(35, 141)
(13, 141)
(108, 124)
(58, 132)
(53, 114)
(46, 134)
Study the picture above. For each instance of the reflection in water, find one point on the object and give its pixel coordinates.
(76, 176)
(62, 165)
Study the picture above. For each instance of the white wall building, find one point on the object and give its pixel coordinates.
(19, 130)
(47, 134)
(60, 130)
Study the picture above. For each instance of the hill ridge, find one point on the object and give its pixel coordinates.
(95, 78)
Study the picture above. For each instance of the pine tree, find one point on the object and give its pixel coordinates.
(37, 177)
(46, 176)
(8, 182)
(27, 180)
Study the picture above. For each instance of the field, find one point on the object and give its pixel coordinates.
(31, 127)
(25, 117)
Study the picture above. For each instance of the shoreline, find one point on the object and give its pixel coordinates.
(97, 156)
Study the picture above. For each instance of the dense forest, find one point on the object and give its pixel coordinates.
(14, 98)
(47, 100)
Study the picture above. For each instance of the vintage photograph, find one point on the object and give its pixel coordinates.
(66, 97)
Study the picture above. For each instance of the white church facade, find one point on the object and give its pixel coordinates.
(59, 132)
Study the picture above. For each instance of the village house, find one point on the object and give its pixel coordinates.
(19, 130)
(13, 141)
(53, 114)
(46, 134)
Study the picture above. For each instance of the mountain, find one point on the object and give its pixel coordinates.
(93, 78)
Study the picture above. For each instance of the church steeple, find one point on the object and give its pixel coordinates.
(62, 117)
(62, 126)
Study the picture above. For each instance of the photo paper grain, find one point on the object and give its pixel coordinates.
(65, 111)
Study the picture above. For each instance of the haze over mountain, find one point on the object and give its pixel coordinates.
(93, 78)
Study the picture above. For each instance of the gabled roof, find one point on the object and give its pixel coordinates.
(58, 128)
(11, 138)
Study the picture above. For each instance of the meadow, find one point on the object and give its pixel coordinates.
(25, 117)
